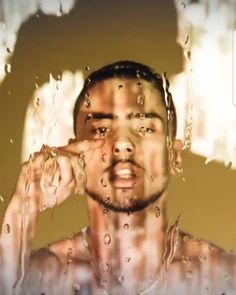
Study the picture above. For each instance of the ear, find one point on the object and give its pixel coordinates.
(175, 157)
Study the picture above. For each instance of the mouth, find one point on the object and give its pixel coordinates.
(123, 175)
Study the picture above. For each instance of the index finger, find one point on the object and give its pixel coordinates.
(78, 147)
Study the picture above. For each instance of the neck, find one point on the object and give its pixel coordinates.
(127, 248)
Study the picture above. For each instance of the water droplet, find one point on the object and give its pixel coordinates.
(186, 40)
(189, 274)
(80, 192)
(141, 116)
(142, 131)
(186, 238)
(133, 200)
(105, 266)
(140, 99)
(211, 248)
(121, 279)
(139, 84)
(37, 102)
(103, 158)
(105, 211)
(7, 68)
(187, 54)
(105, 283)
(81, 176)
(36, 85)
(103, 182)
(87, 103)
(1, 198)
(44, 207)
(185, 259)
(102, 131)
(89, 118)
(226, 277)
(69, 252)
(76, 287)
(127, 259)
(37, 15)
(60, 8)
(11, 140)
(126, 226)
(202, 257)
(183, 5)
(180, 171)
(87, 68)
(107, 200)
(107, 239)
(188, 130)
(81, 160)
(7, 228)
(138, 75)
(120, 87)
(157, 211)
(151, 178)
(9, 50)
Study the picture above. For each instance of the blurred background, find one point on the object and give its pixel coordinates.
(48, 47)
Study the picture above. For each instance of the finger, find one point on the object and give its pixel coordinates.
(82, 146)
(79, 176)
(66, 173)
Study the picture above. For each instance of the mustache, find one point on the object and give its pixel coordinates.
(115, 162)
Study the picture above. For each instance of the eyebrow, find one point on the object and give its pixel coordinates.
(151, 115)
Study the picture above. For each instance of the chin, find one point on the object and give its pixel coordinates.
(125, 200)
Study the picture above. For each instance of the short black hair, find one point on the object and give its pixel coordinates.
(131, 69)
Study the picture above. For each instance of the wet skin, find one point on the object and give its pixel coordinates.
(127, 176)
(135, 150)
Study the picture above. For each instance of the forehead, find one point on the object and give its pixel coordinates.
(123, 94)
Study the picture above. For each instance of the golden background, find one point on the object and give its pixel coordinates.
(95, 33)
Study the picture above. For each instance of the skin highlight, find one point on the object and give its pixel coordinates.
(122, 158)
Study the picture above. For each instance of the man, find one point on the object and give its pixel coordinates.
(122, 158)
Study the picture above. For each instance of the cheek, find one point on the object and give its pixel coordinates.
(156, 159)
(94, 164)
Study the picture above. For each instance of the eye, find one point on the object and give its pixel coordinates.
(149, 130)
(144, 130)
(101, 131)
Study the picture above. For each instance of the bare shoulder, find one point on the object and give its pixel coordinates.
(70, 249)
(58, 266)
(203, 259)
(203, 251)
(60, 253)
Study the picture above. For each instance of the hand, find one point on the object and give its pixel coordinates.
(53, 174)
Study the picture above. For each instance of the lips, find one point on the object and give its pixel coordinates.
(123, 175)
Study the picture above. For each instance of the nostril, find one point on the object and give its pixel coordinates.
(116, 150)
(129, 150)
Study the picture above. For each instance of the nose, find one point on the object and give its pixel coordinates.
(123, 148)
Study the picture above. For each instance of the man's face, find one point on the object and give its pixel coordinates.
(131, 169)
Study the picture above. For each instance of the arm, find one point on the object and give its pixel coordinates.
(45, 181)
(17, 232)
